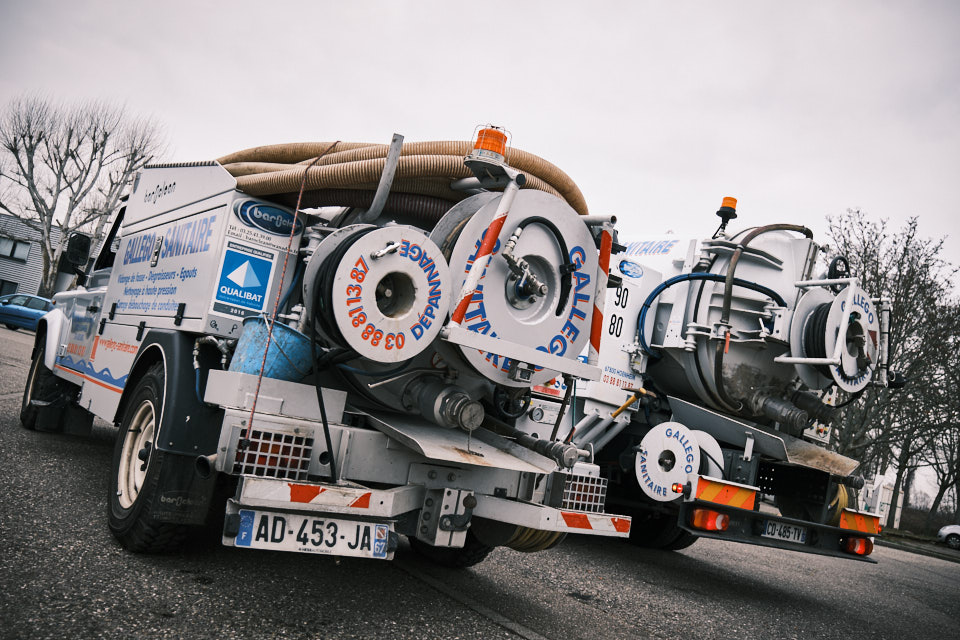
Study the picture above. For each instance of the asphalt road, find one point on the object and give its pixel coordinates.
(63, 576)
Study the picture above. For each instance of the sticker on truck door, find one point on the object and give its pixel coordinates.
(244, 280)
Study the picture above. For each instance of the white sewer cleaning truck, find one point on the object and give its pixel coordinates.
(327, 345)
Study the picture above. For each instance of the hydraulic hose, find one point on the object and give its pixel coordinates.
(566, 268)
(275, 169)
(715, 277)
(736, 405)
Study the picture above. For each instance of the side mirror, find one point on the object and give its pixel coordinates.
(78, 249)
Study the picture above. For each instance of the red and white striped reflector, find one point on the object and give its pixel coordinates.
(595, 522)
(347, 497)
(603, 274)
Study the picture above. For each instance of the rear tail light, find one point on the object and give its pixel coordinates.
(858, 546)
(708, 520)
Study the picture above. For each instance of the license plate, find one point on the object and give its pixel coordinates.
(310, 534)
(781, 531)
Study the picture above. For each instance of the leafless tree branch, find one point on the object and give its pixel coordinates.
(67, 168)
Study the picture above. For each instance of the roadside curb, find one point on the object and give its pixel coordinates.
(923, 550)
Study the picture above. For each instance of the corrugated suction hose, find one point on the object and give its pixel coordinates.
(425, 168)
(530, 540)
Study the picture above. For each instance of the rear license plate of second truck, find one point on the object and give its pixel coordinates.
(781, 531)
(312, 534)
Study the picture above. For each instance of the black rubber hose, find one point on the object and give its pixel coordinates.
(323, 287)
(567, 268)
(686, 277)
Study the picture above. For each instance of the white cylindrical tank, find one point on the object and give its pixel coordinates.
(747, 342)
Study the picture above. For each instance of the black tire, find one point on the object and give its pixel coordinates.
(472, 553)
(953, 541)
(41, 385)
(684, 540)
(12, 327)
(135, 472)
(658, 532)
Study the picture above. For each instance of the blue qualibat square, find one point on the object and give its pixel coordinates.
(244, 280)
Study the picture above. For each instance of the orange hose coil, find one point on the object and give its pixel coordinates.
(275, 169)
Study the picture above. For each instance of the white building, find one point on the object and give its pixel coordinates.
(876, 497)
(21, 256)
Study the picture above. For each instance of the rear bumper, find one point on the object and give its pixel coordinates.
(747, 526)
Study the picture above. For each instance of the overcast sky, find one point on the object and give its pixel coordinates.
(656, 109)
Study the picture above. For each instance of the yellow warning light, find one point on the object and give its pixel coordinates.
(491, 141)
(729, 202)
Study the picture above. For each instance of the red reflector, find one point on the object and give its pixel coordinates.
(858, 546)
(708, 520)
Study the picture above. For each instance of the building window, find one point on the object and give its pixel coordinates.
(16, 249)
(7, 287)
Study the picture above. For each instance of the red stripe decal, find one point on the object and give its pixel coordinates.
(363, 502)
(596, 328)
(89, 379)
(606, 245)
(304, 492)
(621, 524)
(576, 520)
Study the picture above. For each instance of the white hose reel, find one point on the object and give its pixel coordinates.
(669, 454)
(384, 292)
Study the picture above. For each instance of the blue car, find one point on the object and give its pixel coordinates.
(22, 311)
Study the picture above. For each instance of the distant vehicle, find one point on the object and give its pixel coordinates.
(23, 311)
(950, 535)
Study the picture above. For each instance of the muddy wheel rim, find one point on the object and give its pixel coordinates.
(28, 396)
(133, 470)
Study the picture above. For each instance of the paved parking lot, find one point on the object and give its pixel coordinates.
(62, 575)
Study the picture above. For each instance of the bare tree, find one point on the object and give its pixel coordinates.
(67, 167)
(886, 426)
(943, 456)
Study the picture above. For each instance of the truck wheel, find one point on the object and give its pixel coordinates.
(658, 532)
(473, 552)
(136, 471)
(685, 540)
(42, 386)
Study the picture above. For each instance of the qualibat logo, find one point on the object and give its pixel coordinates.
(261, 216)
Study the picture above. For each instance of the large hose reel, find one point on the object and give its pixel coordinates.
(555, 248)
(382, 292)
(823, 320)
